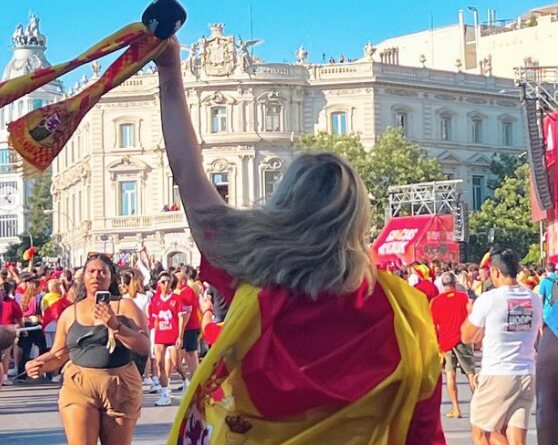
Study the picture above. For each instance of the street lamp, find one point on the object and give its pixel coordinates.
(52, 212)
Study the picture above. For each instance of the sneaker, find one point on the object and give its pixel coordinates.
(148, 381)
(7, 382)
(155, 388)
(55, 379)
(164, 400)
(181, 390)
(12, 372)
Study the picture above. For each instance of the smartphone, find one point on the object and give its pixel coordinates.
(102, 297)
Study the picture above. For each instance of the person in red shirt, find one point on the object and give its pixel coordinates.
(11, 315)
(425, 284)
(193, 325)
(449, 310)
(169, 311)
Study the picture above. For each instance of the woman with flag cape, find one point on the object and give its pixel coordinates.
(317, 347)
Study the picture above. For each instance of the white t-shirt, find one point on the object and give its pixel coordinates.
(141, 300)
(511, 317)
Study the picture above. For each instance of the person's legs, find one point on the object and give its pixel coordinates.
(25, 343)
(160, 352)
(516, 436)
(495, 438)
(451, 383)
(547, 389)
(478, 436)
(464, 354)
(116, 430)
(175, 361)
(81, 424)
(192, 360)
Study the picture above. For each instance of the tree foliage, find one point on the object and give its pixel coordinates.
(393, 160)
(509, 214)
(39, 225)
(502, 166)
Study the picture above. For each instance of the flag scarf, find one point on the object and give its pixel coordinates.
(41, 134)
(54, 310)
(217, 408)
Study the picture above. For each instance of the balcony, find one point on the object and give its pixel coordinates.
(148, 223)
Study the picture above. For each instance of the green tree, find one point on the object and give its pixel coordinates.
(393, 160)
(39, 225)
(502, 166)
(509, 214)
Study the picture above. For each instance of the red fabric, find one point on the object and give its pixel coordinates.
(211, 332)
(426, 424)
(428, 288)
(166, 311)
(10, 312)
(218, 278)
(53, 312)
(190, 299)
(449, 311)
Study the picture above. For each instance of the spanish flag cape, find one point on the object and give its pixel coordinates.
(218, 410)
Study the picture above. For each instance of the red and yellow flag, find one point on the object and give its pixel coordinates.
(222, 406)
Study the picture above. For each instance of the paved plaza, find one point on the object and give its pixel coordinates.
(28, 416)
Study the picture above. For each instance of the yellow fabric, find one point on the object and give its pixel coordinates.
(48, 299)
(381, 417)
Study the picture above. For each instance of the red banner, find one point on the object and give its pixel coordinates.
(414, 238)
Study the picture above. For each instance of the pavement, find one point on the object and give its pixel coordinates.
(29, 416)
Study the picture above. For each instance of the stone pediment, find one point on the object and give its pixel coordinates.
(127, 165)
(479, 159)
(218, 98)
(446, 156)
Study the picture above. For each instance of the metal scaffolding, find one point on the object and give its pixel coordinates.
(427, 198)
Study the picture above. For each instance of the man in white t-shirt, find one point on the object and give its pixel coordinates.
(507, 320)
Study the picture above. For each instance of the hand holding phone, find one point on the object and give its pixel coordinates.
(102, 297)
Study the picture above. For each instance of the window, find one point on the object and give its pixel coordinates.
(128, 198)
(20, 108)
(127, 135)
(402, 121)
(7, 161)
(174, 194)
(221, 183)
(271, 179)
(8, 226)
(218, 120)
(507, 134)
(37, 103)
(478, 192)
(339, 123)
(445, 128)
(273, 118)
(477, 131)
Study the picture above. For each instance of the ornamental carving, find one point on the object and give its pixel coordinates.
(272, 164)
(218, 53)
(218, 98)
(220, 165)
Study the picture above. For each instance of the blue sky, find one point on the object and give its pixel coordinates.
(332, 27)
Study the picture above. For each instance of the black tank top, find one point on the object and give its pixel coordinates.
(88, 346)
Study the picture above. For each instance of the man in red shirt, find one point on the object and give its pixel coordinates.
(193, 324)
(449, 311)
(169, 311)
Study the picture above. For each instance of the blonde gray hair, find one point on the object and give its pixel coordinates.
(311, 236)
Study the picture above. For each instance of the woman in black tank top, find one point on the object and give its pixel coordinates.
(100, 397)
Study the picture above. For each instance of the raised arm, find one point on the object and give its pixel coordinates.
(183, 150)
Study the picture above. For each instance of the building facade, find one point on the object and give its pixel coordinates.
(29, 47)
(112, 186)
(491, 47)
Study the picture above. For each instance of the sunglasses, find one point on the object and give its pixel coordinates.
(164, 281)
(98, 254)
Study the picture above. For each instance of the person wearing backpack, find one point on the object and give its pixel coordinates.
(547, 358)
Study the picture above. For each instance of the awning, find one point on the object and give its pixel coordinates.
(413, 238)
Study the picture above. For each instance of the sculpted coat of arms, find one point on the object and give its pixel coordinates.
(218, 53)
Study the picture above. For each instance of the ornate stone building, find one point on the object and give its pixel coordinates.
(113, 190)
(28, 55)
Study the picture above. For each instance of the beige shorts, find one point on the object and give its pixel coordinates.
(502, 400)
(117, 392)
